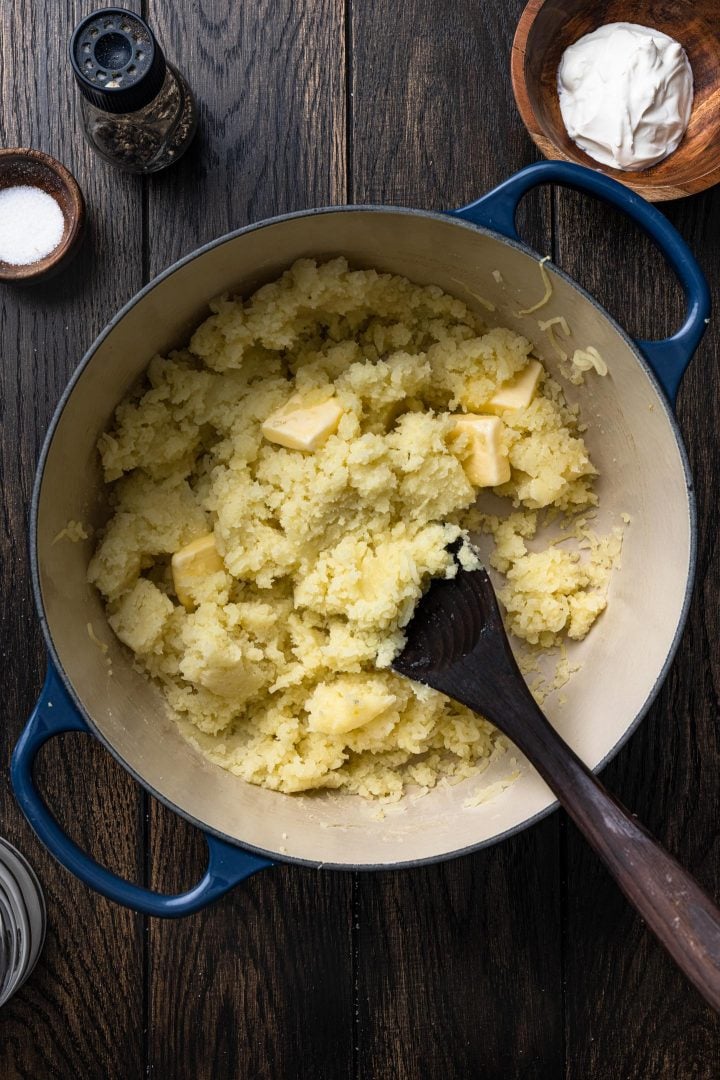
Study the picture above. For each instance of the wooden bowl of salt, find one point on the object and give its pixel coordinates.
(42, 215)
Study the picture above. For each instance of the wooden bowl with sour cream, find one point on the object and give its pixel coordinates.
(546, 29)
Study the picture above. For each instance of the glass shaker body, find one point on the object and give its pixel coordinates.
(147, 139)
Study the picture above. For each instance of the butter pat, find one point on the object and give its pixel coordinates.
(485, 460)
(193, 563)
(299, 427)
(519, 391)
(347, 703)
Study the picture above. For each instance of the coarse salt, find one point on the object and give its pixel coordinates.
(31, 224)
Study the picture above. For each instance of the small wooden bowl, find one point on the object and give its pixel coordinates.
(20, 166)
(548, 27)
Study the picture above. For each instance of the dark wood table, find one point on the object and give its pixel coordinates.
(520, 961)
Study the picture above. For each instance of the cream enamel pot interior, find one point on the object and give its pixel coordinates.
(633, 439)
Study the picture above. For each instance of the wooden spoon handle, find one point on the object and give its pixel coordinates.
(668, 898)
(457, 644)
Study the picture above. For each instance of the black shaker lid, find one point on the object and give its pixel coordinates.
(117, 62)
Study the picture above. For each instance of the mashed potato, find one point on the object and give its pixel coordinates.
(300, 567)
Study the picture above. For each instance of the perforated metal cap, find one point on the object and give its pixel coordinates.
(117, 62)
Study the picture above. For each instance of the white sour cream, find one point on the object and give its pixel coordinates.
(626, 94)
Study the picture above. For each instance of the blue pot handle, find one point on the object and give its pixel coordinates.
(54, 714)
(668, 358)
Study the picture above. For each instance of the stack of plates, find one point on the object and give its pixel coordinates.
(22, 920)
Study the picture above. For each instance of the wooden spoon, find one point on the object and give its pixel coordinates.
(457, 644)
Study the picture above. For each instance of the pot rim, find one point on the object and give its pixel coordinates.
(276, 856)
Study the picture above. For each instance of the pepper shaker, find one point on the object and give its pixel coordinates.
(138, 111)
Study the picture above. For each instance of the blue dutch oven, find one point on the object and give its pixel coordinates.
(634, 439)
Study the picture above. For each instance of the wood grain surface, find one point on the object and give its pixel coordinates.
(519, 962)
(617, 977)
(78, 1015)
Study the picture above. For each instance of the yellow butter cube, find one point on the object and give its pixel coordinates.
(518, 392)
(347, 703)
(193, 563)
(303, 427)
(484, 459)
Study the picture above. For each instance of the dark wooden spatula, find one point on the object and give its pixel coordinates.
(457, 644)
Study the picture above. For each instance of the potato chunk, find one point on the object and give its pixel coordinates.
(347, 703)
